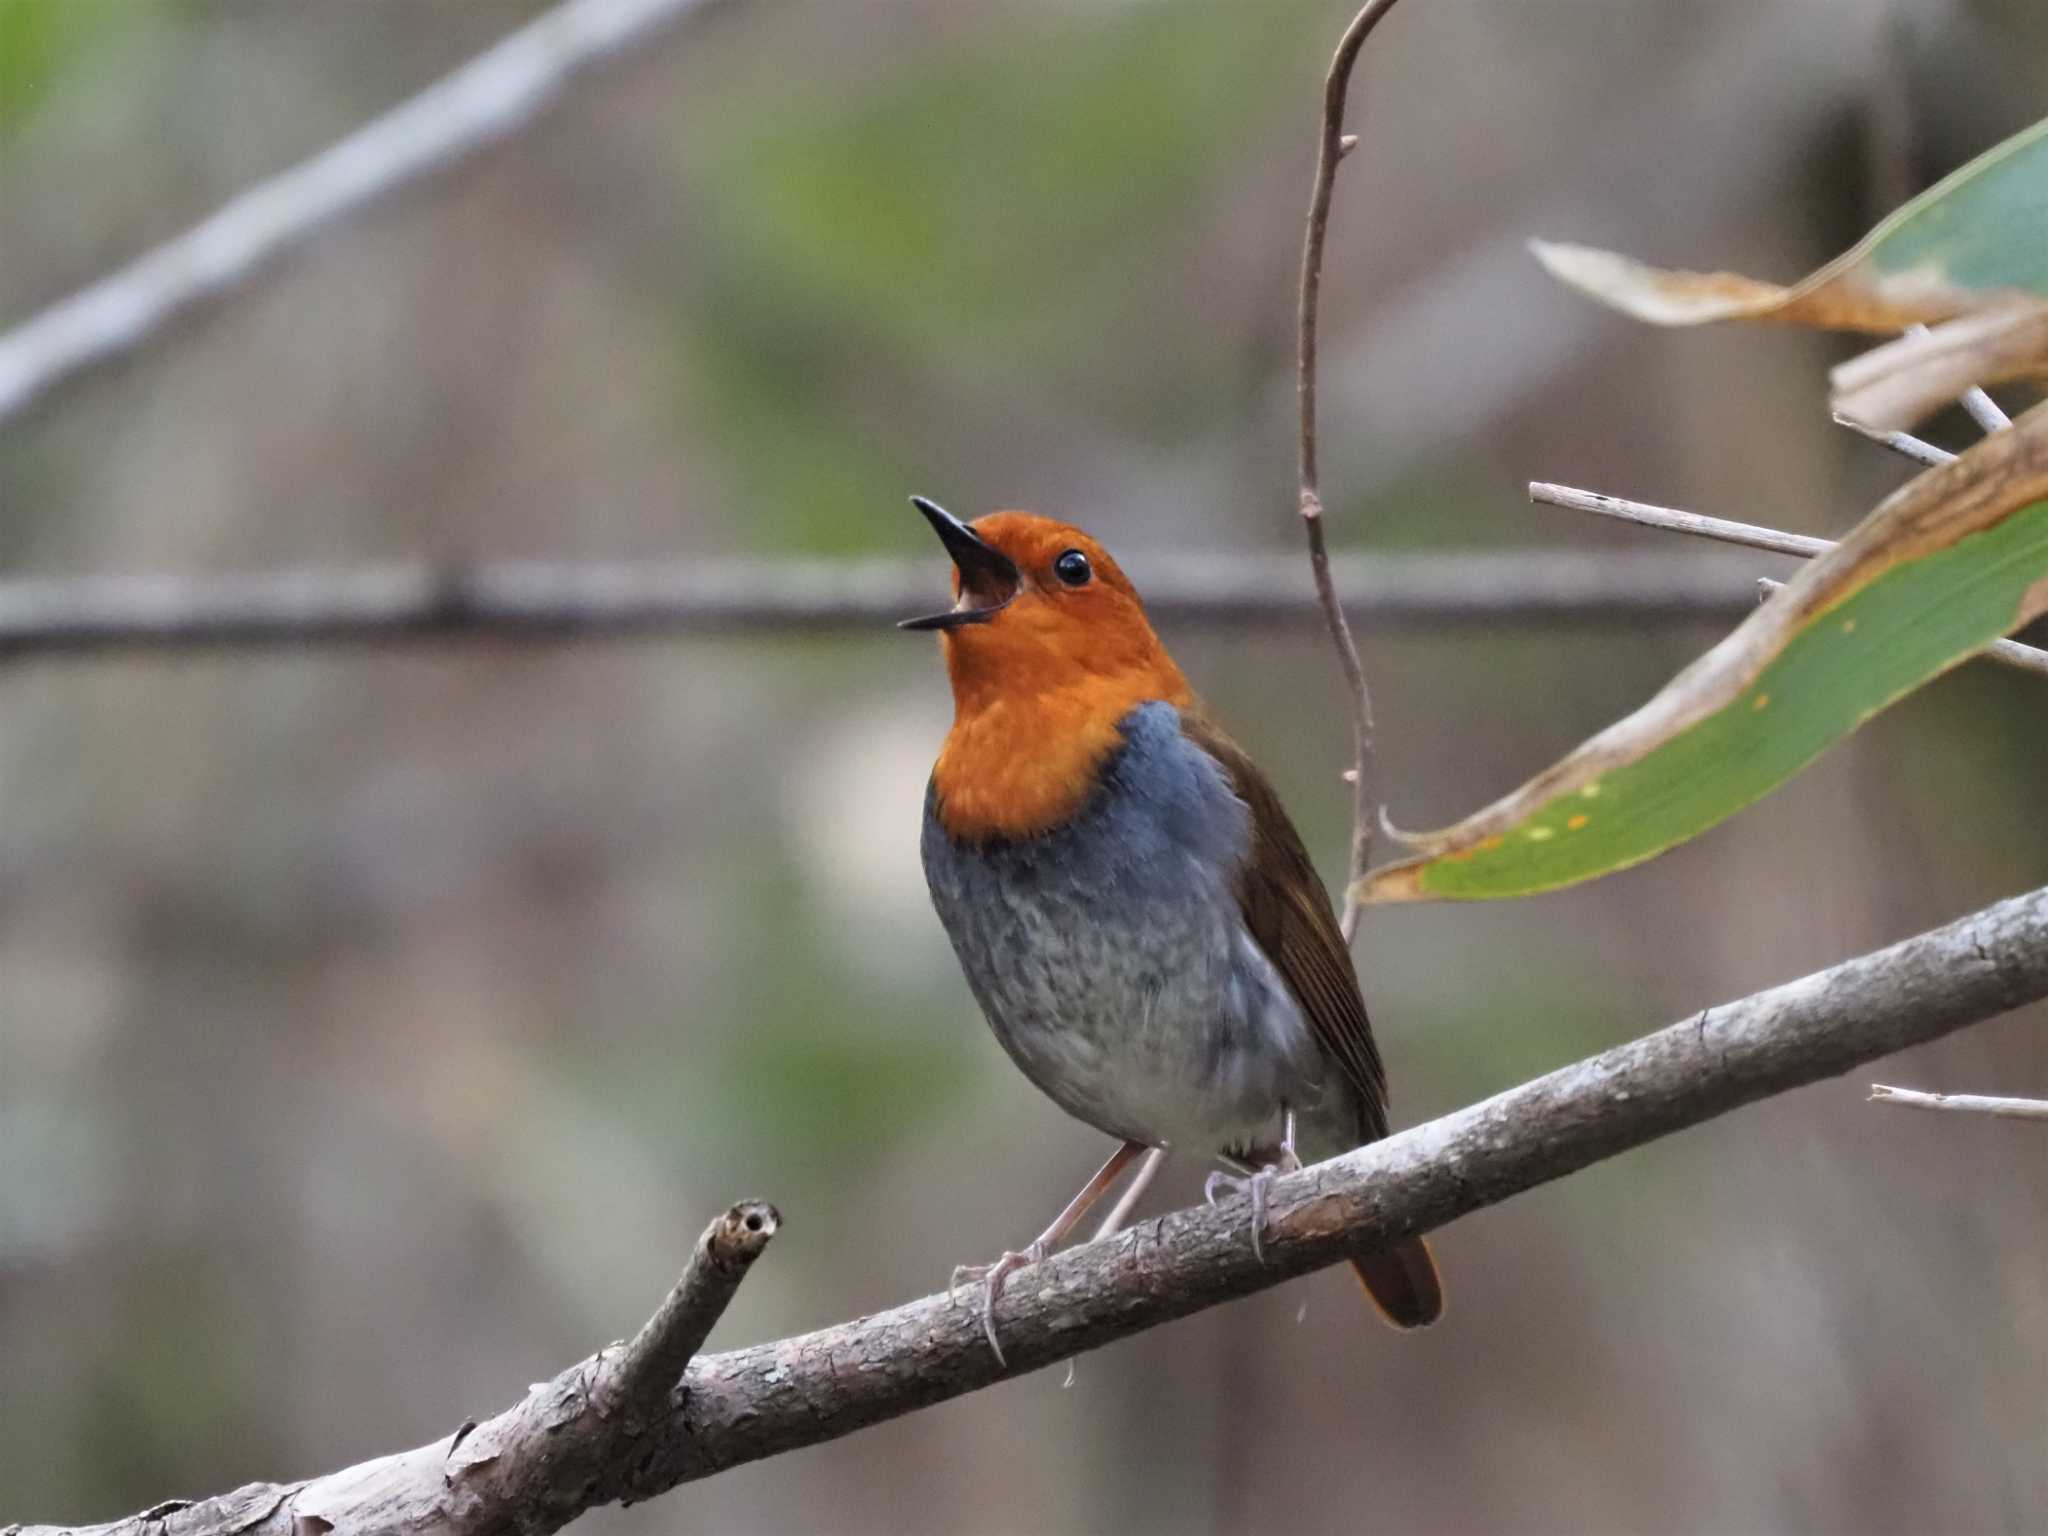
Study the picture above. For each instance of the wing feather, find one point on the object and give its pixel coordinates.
(1289, 914)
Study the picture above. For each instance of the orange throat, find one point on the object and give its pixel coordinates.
(1021, 760)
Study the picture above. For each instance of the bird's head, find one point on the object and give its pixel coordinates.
(1040, 607)
(1048, 649)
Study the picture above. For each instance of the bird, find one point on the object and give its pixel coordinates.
(1133, 910)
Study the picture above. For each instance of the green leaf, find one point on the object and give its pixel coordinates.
(1949, 563)
(1968, 256)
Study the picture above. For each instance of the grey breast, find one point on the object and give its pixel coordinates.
(1111, 958)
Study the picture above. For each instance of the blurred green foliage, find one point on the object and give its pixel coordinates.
(856, 239)
(40, 40)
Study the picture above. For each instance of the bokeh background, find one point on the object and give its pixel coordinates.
(377, 1029)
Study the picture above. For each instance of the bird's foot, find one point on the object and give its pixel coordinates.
(992, 1278)
(1254, 1184)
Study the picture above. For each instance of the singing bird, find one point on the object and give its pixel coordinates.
(1134, 912)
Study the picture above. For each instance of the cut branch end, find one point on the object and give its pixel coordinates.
(653, 1363)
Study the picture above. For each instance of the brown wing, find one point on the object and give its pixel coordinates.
(1289, 913)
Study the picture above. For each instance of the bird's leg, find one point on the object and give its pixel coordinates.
(1256, 1183)
(992, 1277)
(1133, 1193)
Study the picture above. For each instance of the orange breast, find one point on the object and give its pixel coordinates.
(1019, 761)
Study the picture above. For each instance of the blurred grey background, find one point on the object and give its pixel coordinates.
(378, 1029)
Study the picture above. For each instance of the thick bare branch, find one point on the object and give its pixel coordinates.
(1961, 1103)
(770, 1398)
(1334, 145)
(395, 604)
(488, 100)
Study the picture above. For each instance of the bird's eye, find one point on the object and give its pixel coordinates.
(1072, 568)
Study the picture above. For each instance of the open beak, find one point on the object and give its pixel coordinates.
(988, 577)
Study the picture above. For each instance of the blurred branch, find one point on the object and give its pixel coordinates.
(2007, 652)
(391, 604)
(556, 1453)
(1332, 148)
(1962, 1103)
(494, 96)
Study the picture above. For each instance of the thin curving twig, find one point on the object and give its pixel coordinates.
(1333, 147)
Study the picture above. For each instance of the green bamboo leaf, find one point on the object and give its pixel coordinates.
(1969, 257)
(1946, 565)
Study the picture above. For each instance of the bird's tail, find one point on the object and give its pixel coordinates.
(1403, 1284)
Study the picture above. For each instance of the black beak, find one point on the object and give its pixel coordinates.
(988, 577)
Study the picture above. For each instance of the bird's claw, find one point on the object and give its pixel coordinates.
(1255, 1185)
(992, 1278)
